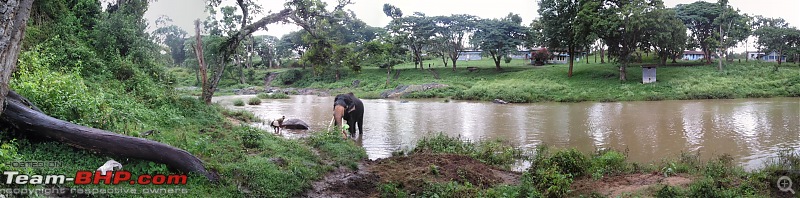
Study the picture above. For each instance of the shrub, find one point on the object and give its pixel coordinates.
(251, 137)
(273, 96)
(551, 182)
(608, 162)
(242, 115)
(254, 101)
(238, 102)
(668, 191)
(570, 161)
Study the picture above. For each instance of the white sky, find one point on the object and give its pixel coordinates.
(184, 12)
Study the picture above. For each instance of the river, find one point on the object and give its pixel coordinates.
(751, 130)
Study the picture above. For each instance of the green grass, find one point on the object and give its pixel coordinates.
(254, 101)
(241, 115)
(273, 96)
(519, 82)
(552, 173)
(250, 162)
(238, 102)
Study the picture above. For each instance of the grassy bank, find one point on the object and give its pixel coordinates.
(519, 82)
(249, 161)
(569, 173)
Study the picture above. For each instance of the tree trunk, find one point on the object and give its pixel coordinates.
(198, 50)
(622, 73)
(496, 58)
(241, 75)
(388, 75)
(602, 55)
(13, 21)
(571, 53)
(587, 56)
(780, 56)
(454, 63)
(663, 61)
(19, 115)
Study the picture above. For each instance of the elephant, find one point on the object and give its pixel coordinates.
(349, 107)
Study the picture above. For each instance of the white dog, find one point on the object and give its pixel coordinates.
(109, 166)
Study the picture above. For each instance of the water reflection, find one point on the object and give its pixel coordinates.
(749, 129)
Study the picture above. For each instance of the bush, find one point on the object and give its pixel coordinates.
(242, 115)
(608, 162)
(254, 101)
(551, 182)
(668, 192)
(238, 102)
(251, 137)
(289, 77)
(571, 162)
(273, 96)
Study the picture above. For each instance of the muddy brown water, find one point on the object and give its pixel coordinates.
(751, 130)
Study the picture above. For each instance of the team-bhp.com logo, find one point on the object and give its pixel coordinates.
(106, 174)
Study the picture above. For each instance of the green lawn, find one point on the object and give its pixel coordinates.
(520, 82)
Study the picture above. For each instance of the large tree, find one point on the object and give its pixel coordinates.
(14, 19)
(713, 25)
(668, 35)
(775, 35)
(417, 31)
(624, 26)
(563, 27)
(499, 37)
(232, 41)
(266, 47)
(23, 116)
(173, 37)
(451, 32)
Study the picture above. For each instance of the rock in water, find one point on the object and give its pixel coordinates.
(498, 101)
(293, 123)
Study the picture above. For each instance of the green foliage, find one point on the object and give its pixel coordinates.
(669, 192)
(392, 190)
(254, 101)
(273, 96)
(289, 77)
(242, 115)
(343, 152)
(62, 95)
(571, 162)
(499, 37)
(251, 137)
(551, 182)
(238, 102)
(450, 189)
(607, 162)
(9, 153)
(496, 152)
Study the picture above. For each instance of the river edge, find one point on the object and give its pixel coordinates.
(450, 167)
(423, 171)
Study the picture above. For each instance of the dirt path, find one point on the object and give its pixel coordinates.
(615, 186)
(412, 172)
(415, 172)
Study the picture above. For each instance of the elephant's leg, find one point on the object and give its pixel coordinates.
(360, 127)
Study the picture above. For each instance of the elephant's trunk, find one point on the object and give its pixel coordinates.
(338, 113)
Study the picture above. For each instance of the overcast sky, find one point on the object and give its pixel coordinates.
(183, 12)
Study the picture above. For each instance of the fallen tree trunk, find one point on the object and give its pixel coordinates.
(24, 117)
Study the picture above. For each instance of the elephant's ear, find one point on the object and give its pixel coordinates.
(351, 109)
